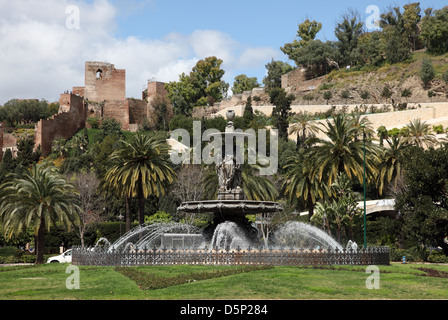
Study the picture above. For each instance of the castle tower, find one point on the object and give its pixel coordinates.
(104, 82)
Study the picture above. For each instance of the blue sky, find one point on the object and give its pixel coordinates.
(40, 56)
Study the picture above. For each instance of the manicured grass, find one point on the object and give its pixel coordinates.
(397, 281)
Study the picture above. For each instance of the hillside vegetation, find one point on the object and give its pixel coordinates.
(399, 78)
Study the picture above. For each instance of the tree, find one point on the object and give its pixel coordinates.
(445, 77)
(340, 215)
(275, 70)
(38, 199)
(26, 155)
(406, 93)
(16, 111)
(382, 134)
(111, 127)
(7, 166)
(348, 32)
(182, 94)
(423, 200)
(161, 113)
(427, 72)
(370, 49)
(434, 30)
(317, 57)
(281, 112)
(206, 77)
(386, 93)
(340, 152)
(308, 97)
(420, 134)
(396, 45)
(244, 83)
(345, 95)
(300, 182)
(306, 32)
(90, 201)
(390, 167)
(411, 19)
(365, 95)
(303, 126)
(141, 168)
(248, 114)
(327, 95)
(202, 85)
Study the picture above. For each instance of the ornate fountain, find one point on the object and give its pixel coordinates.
(231, 238)
(231, 204)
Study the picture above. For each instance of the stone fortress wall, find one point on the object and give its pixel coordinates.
(103, 96)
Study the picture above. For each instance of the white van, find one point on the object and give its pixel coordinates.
(65, 257)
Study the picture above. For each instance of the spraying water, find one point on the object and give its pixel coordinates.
(228, 235)
(149, 236)
(303, 235)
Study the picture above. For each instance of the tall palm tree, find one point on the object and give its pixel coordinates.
(360, 121)
(304, 127)
(301, 183)
(38, 198)
(420, 134)
(390, 165)
(340, 151)
(141, 168)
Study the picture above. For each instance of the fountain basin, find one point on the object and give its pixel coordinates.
(230, 207)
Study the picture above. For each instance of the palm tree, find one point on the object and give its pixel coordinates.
(419, 134)
(257, 187)
(390, 165)
(141, 168)
(304, 127)
(301, 182)
(38, 198)
(358, 122)
(340, 151)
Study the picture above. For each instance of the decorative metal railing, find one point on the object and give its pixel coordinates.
(252, 256)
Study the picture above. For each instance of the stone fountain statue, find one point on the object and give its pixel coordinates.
(229, 171)
(231, 203)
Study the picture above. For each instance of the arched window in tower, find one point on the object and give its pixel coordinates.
(99, 74)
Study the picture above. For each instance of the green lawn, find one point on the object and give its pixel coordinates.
(397, 281)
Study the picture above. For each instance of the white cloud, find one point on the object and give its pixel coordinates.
(40, 57)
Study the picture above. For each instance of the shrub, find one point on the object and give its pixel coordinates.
(437, 257)
(427, 71)
(445, 77)
(93, 122)
(438, 129)
(11, 254)
(411, 254)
